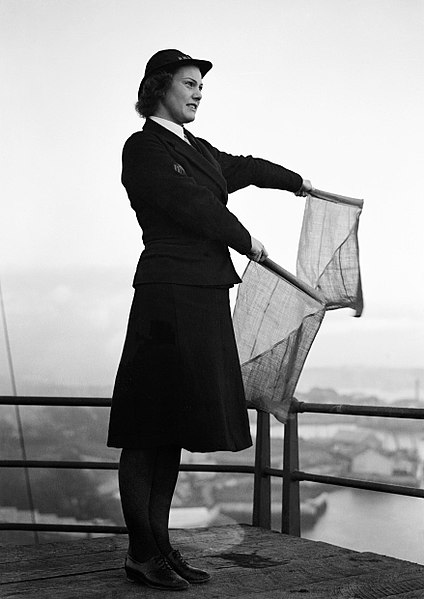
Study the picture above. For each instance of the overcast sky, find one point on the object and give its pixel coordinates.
(333, 89)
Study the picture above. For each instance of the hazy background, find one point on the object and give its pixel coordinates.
(331, 89)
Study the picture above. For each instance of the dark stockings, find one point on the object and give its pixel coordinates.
(147, 480)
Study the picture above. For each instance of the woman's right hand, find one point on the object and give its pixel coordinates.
(305, 189)
(257, 252)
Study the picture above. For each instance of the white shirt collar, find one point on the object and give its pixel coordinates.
(171, 126)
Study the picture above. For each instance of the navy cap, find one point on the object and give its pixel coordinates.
(169, 60)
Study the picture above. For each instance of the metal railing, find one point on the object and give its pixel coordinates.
(261, 470)
(293, 476)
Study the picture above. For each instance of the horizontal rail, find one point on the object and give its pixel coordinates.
(357, 410)
(62, 402)
(84, 528)
(77, 464)
(297, 406)
(355, 483)
(277, 472)
(82, 465)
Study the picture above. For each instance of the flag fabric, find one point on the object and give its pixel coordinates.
(328, 253)
(276, 318)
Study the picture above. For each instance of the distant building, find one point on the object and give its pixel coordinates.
(371, 461)
(350, 442)
(398, 467)
(318, 457)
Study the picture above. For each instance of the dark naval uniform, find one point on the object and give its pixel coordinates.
(179, 380)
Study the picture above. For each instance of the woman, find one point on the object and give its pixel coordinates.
(179, 383)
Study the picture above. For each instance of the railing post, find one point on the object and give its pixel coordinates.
(290, 518)
(262, 482)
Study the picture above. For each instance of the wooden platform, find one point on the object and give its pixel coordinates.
(245, 562)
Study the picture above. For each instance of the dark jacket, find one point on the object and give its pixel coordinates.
(179, 193)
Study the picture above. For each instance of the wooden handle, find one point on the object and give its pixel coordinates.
(290, 278)
(336, 198)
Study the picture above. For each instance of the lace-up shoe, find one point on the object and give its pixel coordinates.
(181, 567)
(155, 573)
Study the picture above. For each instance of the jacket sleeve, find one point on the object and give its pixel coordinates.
(149, 176)
(241, 171)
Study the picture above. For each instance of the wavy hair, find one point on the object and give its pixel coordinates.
(154, 89)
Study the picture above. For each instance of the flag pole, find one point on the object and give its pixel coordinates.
(335, 197)
(290, 278)
(18, 414)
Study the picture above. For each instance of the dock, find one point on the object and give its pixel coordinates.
(246, 562)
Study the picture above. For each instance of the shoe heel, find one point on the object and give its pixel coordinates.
(130, 577)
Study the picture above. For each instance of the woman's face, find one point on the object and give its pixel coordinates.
(182, 99)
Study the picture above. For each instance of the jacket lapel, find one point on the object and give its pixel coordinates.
(196, 152)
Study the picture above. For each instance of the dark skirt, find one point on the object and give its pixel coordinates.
(179, 380)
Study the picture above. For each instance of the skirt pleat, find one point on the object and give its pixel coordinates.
(179, 380)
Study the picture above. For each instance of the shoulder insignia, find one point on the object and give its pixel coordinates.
(179, 169)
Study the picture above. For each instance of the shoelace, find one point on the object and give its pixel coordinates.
(162, 563)
(178, 555)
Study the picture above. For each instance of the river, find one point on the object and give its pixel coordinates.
(376, 522)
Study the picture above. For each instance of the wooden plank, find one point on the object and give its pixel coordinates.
(222, 538)
(245, 563)
(13, 553)
(376, 585)
(329, 577)
(262, 584)
(411, 595)
(65, 559)
(88, 586)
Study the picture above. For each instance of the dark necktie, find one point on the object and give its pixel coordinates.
(191, 141)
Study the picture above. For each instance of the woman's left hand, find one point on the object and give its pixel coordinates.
(257, 252)
(305, 188)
